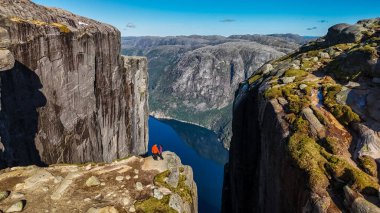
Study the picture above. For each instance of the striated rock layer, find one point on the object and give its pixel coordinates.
(133, 184)
(306, 131)
(66, 93)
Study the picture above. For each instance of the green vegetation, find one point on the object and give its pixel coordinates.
(306, 154)
(182, 189)
(307, 64)
(313, 53)
(273, 92)
(297, 103)
(153, 205)
(368, 164)
(332, 145)
(342, 112)
(321, 166)
(62, 28)
(254, 78)
(299, 74)
(355, 178)
(300, 125)
(319, 115)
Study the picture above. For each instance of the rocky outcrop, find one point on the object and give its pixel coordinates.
(193, 78)
(66, 93)
(133, 184)
(310, 144)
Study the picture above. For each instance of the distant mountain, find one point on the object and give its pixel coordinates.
(193, 78)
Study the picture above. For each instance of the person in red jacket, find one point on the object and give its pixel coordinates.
(155, 151)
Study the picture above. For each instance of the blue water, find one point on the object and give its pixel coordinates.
(199, 148)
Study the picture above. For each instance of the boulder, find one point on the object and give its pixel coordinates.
(287, 80)
(173, 178)
(4, 38)
(266, 68)
(7, 60)
(107, 209)
(139, 186)
(157, 194)
(323, 55)
(316, 127)
(176, 203)
(344, 33)
(357, 204)
(92, 181)
(16, 207)
(4, 195)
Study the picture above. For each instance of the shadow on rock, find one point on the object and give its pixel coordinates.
(20, 99)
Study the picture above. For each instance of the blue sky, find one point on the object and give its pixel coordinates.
(220, 17)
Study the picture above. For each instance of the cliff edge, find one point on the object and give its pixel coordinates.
(133, 184)
(66, 93)
(306, 128)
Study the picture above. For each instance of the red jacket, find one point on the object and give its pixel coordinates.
(155, 149)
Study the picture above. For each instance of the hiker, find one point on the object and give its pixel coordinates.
(160, 152)
(155, 151)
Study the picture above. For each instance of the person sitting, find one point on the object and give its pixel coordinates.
(155, 151)
(160, 152)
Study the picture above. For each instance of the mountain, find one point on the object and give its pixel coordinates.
(306, 128)
(67, 96)
(193, 78)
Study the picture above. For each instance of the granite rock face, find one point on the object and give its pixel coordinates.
(70, 96)
(65, 188)
(312, 144)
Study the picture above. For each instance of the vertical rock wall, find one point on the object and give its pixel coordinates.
(70, 97)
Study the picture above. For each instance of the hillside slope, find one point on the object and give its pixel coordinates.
(306, 131)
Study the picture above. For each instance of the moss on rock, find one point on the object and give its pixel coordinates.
(368, 164)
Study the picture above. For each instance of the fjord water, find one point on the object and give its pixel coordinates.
(199, 148)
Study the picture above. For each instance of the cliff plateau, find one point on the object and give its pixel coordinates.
(133, 184)
(67, 95)
(306, 130)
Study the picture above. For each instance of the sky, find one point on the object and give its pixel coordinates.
(221, 17)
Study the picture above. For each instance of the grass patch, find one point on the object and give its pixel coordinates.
(153, 205)
(182, 189)
(62, 28)
(254, 78)
(355, 178)
(306, 154)
(343, 113)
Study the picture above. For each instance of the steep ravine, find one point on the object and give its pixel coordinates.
(305, 129)
(193, 78)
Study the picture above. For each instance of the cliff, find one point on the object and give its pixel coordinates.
(133, 184)
(306, 128)
(66, 93)
(193, 78)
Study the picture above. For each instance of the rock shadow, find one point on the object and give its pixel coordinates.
(20, 99)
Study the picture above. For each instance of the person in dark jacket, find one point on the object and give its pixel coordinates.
(160, 152)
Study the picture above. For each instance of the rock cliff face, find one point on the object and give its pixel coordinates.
(66, 93)
(134, 184)
(193, 78)
(306, 129)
